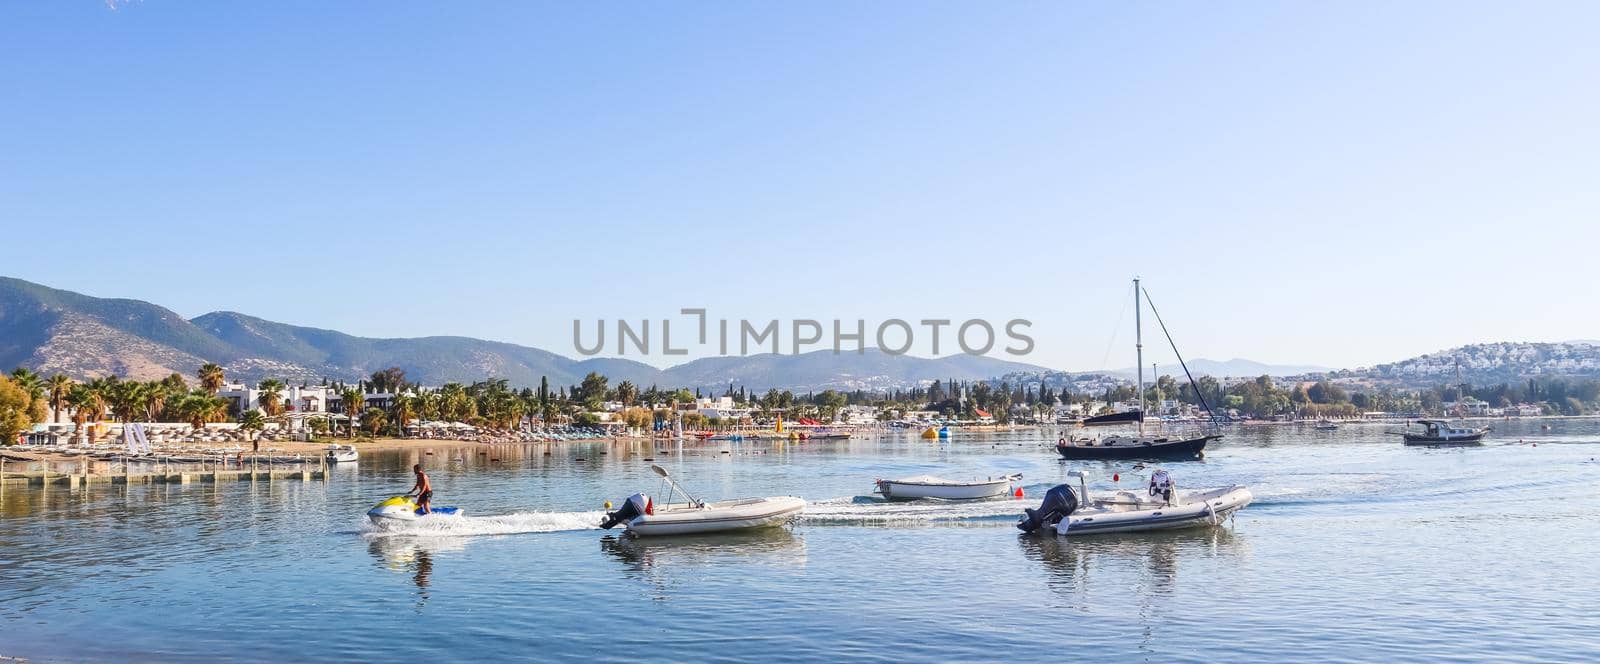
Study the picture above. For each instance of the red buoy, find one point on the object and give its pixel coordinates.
(1116, 477)
(1019, 492)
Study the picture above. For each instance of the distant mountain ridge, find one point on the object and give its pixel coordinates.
(56, 331)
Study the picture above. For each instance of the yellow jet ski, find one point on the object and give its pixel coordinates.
(404, 508)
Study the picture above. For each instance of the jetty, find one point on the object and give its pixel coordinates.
(254, 472)
(43, 478)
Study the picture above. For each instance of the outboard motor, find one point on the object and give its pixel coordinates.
(1059, 502)
(634, 506)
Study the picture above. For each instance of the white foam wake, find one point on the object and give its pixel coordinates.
(868, 512)
(505, 524)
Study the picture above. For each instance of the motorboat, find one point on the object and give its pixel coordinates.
(1439, 432)
(404, 508)
(1326, 425)
(1066, 512)
(644, 517)
(342, 454)
(928, 486)
(1135, 447)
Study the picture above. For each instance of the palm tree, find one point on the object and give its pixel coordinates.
(271, 396)
(156, 395)
(252, 422)
(127, 399)
(211, 377)
(85, 405)
(353, 399)
(373, 420)
(454, 403)
(405, 409)
(100, 390)
(428, 405)
(59, 386)
(199, 408)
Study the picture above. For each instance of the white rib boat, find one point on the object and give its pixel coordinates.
(1062, 512)
(644, 517)
(928, 486)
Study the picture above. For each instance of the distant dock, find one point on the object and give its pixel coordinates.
(40, 478)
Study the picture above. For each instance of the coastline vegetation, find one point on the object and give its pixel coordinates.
(26, 398)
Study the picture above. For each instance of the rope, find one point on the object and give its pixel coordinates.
(1114, 330)
(1198, 394)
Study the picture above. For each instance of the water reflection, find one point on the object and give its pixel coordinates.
(413, 556)
(659, 562)
(1152, 558)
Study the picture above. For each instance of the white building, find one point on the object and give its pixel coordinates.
(295, 399)
(858, 414)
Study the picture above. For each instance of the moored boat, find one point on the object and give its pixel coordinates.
(1136, 447)
(342, 454)
(643, 517)
(928, 486)
(1141, 445)
(1439, 432)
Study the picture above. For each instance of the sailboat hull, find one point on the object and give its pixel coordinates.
(1173, 450)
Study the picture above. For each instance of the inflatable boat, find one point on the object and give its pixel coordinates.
(1065, 513)
(644, 517)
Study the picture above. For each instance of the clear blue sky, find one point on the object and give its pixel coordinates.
(1329, 183)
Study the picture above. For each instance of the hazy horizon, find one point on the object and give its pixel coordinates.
(1339, 185)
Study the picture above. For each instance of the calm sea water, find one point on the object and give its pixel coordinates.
(1357, 548)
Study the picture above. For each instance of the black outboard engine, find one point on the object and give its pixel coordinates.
(1059, 502)
(635, 505)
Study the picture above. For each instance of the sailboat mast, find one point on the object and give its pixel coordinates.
(1138, 350)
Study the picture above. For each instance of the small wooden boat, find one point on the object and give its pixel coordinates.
(928, 486)
(1439, 432)
(643, 517)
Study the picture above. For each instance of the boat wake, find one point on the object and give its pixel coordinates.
(469, 526)
(867, 511)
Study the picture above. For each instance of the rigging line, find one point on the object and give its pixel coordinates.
(1181, 363)
(1120, 317)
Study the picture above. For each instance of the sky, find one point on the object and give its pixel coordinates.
(1338, 184)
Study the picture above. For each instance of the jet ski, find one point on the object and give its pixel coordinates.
(404, 508)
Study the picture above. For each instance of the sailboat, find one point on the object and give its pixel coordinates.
(1139, 445)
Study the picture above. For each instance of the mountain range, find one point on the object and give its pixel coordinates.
(57, 331)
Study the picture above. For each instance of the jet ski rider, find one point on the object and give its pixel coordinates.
(423, 489)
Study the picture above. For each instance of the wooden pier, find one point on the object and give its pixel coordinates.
(191, 477)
